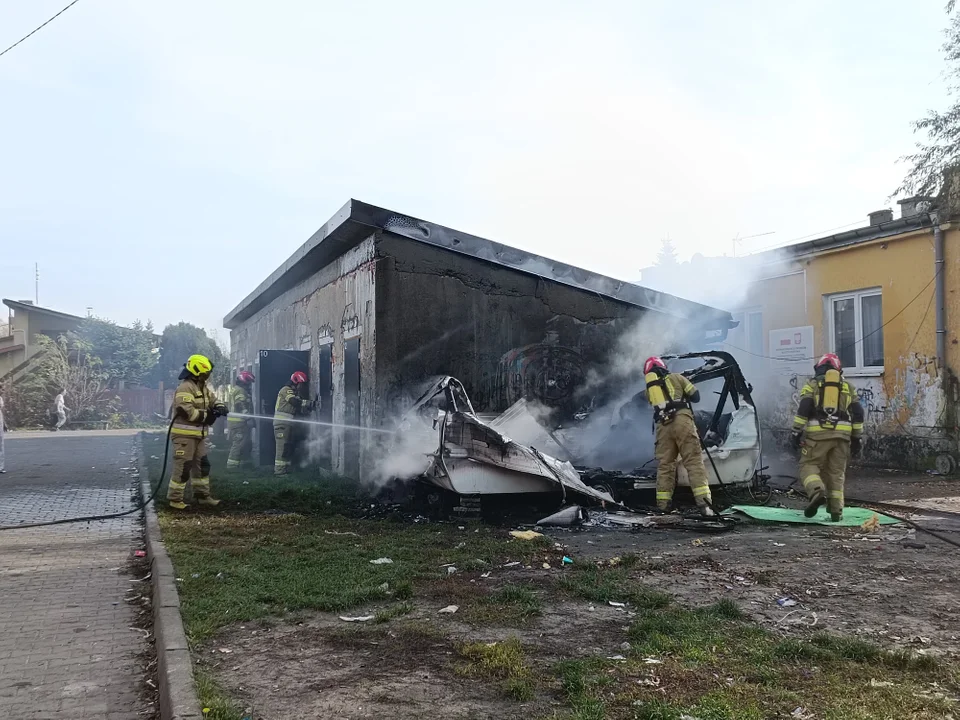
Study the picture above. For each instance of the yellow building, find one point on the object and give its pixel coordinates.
(878, 297)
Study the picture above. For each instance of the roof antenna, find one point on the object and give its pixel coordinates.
(36, 284)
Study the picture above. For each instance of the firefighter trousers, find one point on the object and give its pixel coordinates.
(241, 444)
(679, 438)
(190, 464)
(823, 468)
(282, 434)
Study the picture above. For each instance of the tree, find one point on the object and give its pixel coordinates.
(179, 342)
(68, 365)
(127, 354)
(668, 254)
(941, 149)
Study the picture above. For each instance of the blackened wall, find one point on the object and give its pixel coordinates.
(503, 333)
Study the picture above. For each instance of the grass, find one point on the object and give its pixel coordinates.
(296, 544)
(510, 606)
(611, 583)
(393, 612)
(711, 663)
(501, 661)
(216, 705)
(246, 563)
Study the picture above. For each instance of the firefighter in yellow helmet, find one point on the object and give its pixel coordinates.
(195, 408)
(240, 403)
(671, 395)
(289, 405)
(827, 430)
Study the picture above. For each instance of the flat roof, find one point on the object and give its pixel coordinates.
(357, 220)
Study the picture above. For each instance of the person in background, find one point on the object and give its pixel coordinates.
(671, 395)
(289, 405)
(827, 430)
(61, 410)
(240, 403)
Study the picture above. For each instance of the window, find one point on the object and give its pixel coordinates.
(856, 329)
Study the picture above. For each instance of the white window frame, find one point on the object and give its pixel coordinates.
(857, 296)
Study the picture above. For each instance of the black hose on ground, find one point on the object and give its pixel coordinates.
(110, 516)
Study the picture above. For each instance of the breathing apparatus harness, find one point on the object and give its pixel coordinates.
(658, 395)
(830, 410)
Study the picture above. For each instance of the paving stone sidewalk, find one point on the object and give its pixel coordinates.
(68, 648)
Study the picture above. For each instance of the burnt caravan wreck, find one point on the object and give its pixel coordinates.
(377, 305)
(472, 458)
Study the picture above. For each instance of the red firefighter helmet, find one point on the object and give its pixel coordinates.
(653, 362)
(829, 359)
(245, 378)
(298, 378)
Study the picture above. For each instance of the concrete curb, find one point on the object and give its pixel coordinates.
(177, 690)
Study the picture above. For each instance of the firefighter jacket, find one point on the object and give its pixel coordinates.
(679, 389)
(846, 421)
(192, 404)
(238, 401)
(288, 403)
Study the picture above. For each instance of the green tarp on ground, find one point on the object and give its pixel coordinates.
(852, 516)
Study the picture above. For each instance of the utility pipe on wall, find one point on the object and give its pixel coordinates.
(940, 292)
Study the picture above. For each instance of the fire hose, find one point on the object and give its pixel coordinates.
(109, 516)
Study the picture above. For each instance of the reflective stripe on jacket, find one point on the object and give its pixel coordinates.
(238, 401)
(288, 404)
(191, 403)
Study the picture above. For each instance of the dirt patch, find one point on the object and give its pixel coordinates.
(844, 581)
(324, 667)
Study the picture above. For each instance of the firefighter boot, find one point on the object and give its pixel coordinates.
(836, 516)
(816, 500)
(175, 495)
(201, 490)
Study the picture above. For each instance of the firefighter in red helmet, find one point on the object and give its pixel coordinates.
(827, 430)
(290, 404)
(240, 403)
(671, 395)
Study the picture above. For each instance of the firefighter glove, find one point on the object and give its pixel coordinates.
(220, 410)
(855, 446)
(796, 440)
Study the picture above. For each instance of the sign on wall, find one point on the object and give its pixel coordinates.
(791, 350)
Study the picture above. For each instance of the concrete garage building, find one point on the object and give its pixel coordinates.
(377, 303)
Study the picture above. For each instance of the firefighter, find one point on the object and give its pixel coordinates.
(289, 405)
(240, 403)
(827, 430)
(671, 395)
(195, 409)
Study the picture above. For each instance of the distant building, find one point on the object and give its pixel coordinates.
(376, 303)
(18, 337)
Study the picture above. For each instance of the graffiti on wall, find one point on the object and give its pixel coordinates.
(547, 372)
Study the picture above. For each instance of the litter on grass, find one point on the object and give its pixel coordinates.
(525, 534)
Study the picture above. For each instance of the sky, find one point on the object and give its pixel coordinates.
(158, 160)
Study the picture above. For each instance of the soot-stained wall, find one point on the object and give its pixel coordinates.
(503, 333)
(330, 308)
